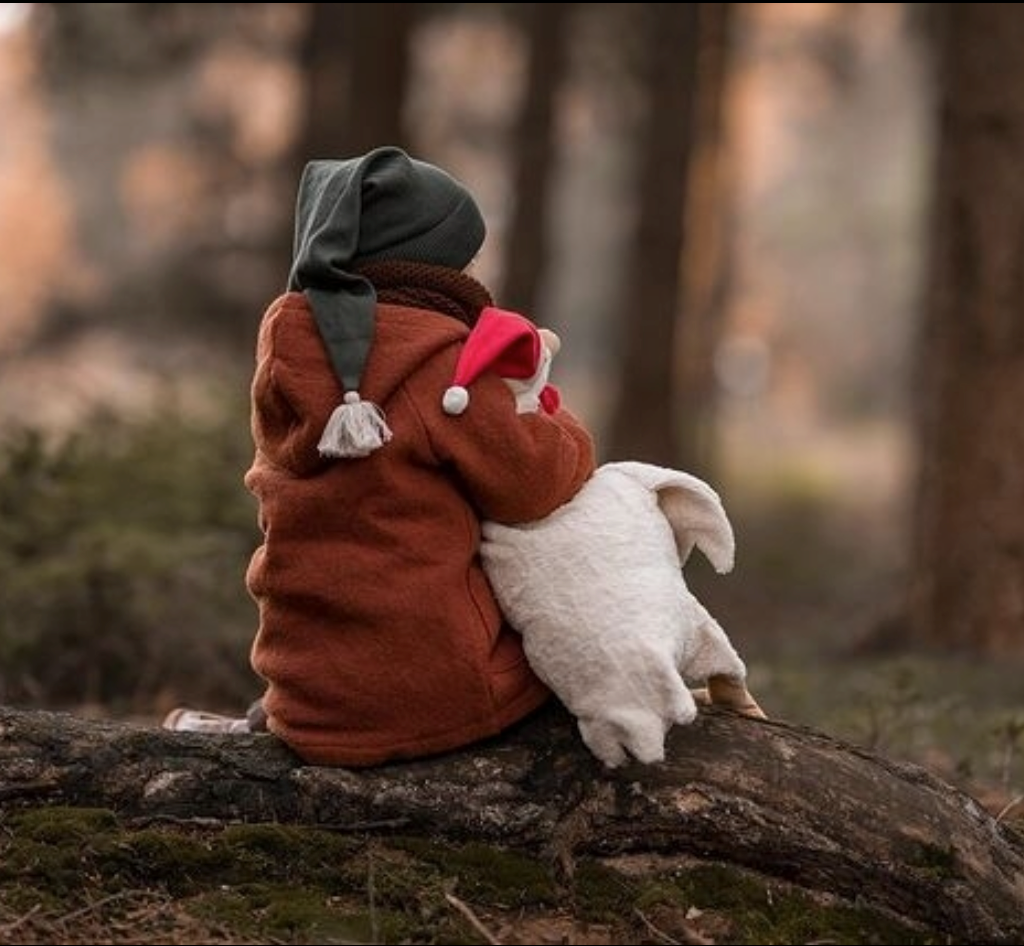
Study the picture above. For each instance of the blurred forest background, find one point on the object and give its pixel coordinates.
(783, 244)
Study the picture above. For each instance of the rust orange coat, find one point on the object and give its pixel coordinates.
(380, 638)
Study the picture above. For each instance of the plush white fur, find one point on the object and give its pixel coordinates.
(608, 621)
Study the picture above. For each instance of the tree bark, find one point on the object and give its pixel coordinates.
(545, 27)
(643, 424)
(967, 576)
(709, 240)
(782, 801)
(356, 68)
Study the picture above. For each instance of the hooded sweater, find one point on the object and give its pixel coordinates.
(379, 637)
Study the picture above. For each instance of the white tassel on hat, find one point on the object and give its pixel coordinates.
(355, 429)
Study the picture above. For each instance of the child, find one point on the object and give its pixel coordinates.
(380, 638)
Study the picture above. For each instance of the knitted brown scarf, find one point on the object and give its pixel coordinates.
(423, 286)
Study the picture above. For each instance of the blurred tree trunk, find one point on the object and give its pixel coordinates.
(356, 63)
(643, 424)
(709, 242)
(967, 580)
(545, 27)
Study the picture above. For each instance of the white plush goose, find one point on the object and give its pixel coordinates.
(608, 622)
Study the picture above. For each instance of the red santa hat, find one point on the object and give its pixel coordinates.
(504, 342)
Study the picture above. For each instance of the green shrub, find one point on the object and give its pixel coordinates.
(123, 549)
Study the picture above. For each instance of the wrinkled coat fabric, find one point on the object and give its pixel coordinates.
(380, 637)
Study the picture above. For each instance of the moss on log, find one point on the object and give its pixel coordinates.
(782, 801)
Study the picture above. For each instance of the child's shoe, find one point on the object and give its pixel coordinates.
(189, 720)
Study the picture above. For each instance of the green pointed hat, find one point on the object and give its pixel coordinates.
(382, 206)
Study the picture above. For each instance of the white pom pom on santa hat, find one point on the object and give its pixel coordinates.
(504, 342)
(455, 400)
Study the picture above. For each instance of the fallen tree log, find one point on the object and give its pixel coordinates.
(783, 801)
